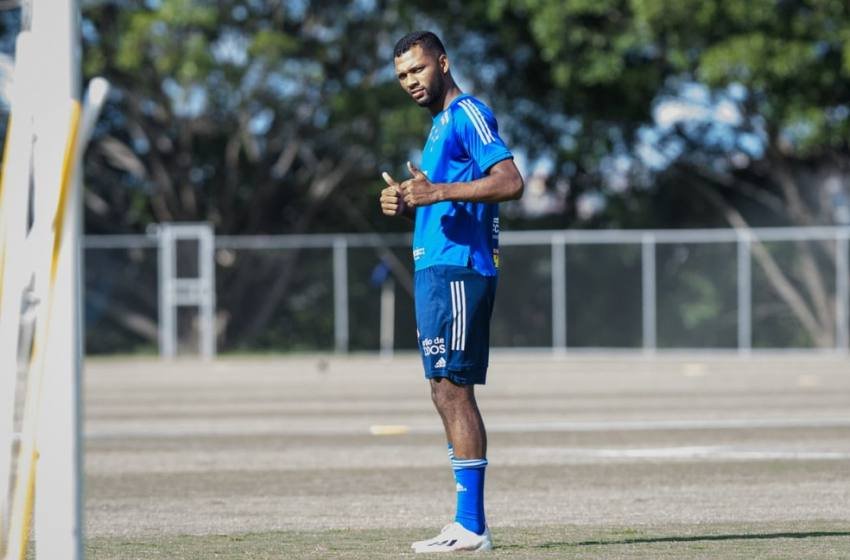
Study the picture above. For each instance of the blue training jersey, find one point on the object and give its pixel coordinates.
(462, 145)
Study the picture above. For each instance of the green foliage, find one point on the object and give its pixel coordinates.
(272, 45)
(790, 56)
(257, 117)
(210, 97)
(173, 37)
(273, 117)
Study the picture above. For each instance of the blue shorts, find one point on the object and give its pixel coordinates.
(453, 309)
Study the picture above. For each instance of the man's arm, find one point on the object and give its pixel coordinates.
(502, 182)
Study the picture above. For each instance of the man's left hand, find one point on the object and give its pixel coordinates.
(418, 190)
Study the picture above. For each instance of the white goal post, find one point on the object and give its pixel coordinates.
(40, 286)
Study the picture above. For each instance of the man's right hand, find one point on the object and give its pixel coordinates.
(392, 203)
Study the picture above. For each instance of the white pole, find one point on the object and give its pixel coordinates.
(62, 451)
(340, 274)
(167, 309)
(745, 294)
(58, 500)
(649, 292)
(388, 317)
(206, 270)
(842, 291)
(559, 294)
(15, 260)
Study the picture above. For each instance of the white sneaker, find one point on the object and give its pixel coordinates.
(455, 537)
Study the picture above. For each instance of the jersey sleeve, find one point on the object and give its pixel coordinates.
(478, 131)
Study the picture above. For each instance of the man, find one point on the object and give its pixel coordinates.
(466, 171)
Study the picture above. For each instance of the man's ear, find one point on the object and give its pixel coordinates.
(444, 63)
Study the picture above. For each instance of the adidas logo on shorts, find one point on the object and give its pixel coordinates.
(441, 363)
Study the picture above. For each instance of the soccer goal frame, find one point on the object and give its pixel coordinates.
(40, 286)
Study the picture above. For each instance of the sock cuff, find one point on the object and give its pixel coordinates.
(458, 464)
(451, 452)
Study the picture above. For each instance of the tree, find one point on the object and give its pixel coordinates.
(276, 117)
(258, 117)
(783, 68)
(769, 146)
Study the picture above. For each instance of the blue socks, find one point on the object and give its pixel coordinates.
(469, 479)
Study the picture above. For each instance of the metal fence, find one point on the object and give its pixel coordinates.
(758, 289)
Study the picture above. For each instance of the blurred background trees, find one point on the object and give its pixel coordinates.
(693, 113)
(278, 116)
(261, 117)
(268, 117)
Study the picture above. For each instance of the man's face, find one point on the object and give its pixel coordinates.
(421, 74)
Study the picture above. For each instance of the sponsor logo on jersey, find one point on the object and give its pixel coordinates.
(418, 253)
(434, 346)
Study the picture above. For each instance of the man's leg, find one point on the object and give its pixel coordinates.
(453, 306)
(467, 437)
(461, 418)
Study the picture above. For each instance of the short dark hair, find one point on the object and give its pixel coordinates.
(425, 39)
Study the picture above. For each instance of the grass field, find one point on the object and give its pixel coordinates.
(590, 457)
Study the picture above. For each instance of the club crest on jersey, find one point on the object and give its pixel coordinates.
(434, 346)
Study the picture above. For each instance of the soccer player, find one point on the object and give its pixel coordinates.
(466, 170)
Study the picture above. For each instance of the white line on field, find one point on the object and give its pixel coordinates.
(722, 453)
(677, 424)
(143, 431)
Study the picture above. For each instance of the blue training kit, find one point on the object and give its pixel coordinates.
(469, 479)
(456, 246)
(469, 482)
(462, 145)
(456, 256)
(453, 308)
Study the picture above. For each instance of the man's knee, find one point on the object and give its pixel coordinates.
(448, 395)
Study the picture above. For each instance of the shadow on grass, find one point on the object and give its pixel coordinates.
(687, 539)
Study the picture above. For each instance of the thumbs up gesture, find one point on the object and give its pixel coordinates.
(418, 190)
(391, 202)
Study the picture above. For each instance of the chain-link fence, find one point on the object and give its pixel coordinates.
(783, 288)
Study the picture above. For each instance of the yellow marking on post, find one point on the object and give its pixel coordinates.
(24, 492)
(389, 430)
(68, 165)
